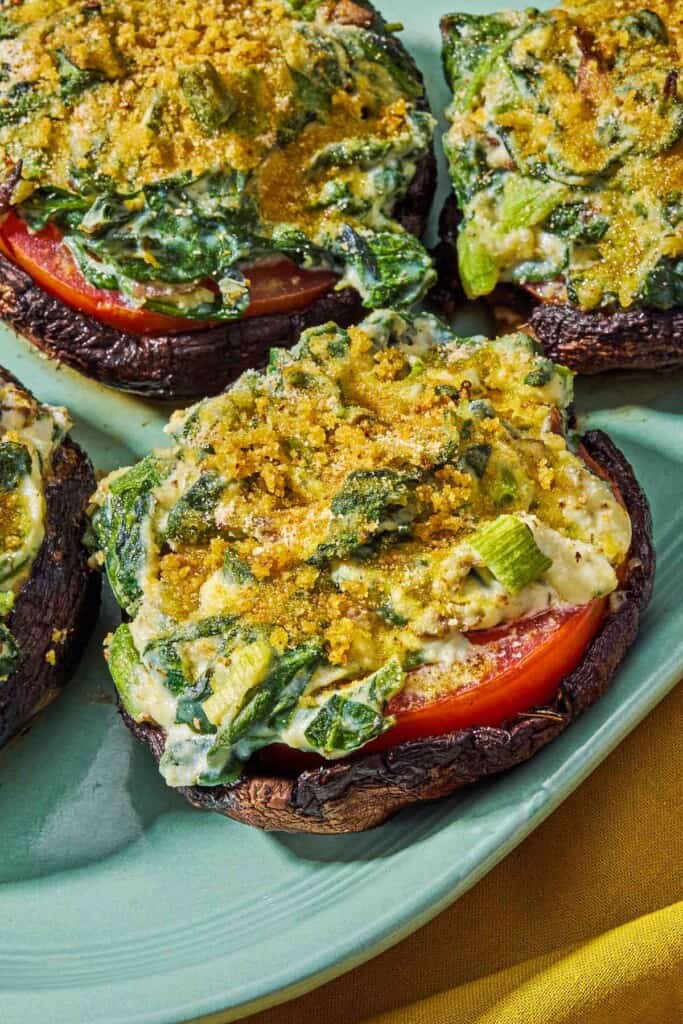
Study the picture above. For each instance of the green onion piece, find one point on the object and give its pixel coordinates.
(126, 668)
(248, 667)
(478, 269)
(211, 105)
(508, 549)
(527, 202)
(504, 490)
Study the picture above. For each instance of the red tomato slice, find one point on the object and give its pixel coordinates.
(278, 286)
(531, 657)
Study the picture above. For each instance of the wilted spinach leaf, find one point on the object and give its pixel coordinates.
(119, 527)
(207, 96)
(9, 652)
(15, 463)
(18, 102)
(8, 29)
(393, 267)
(192, 519)
(271, 703)
(74, 80)
(354, 716)
(472, 43)
(663, 287)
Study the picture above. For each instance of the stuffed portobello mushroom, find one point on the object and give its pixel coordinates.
(49, 598)
(384, 567)
(188, 184)
(565, 153)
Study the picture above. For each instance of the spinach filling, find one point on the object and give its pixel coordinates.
(15, 463)
(9, 653)
(318, 542)
(304, 155)
(119, 528)
(29, 435)
(563, 148)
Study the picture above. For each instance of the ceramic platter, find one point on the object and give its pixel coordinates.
(120, 903)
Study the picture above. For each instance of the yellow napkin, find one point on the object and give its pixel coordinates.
(581, 924)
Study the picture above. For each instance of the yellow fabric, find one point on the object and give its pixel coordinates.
(581, 924)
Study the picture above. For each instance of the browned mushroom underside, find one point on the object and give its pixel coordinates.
(586, 341)
(196, 363)
(357, 794)
(59, 600)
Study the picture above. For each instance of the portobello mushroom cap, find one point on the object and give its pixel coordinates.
(61, 595)
(195, 363)
(638, 339)
(361, 792)
(588, 341)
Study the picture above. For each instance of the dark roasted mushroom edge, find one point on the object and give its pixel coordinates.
(56, 607)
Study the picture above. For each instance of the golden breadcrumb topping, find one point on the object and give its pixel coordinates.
(567, 151)
(146, 91)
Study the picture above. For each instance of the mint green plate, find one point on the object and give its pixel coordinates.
(120, 903)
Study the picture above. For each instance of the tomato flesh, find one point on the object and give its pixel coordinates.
(278, 286)
(530, 658)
